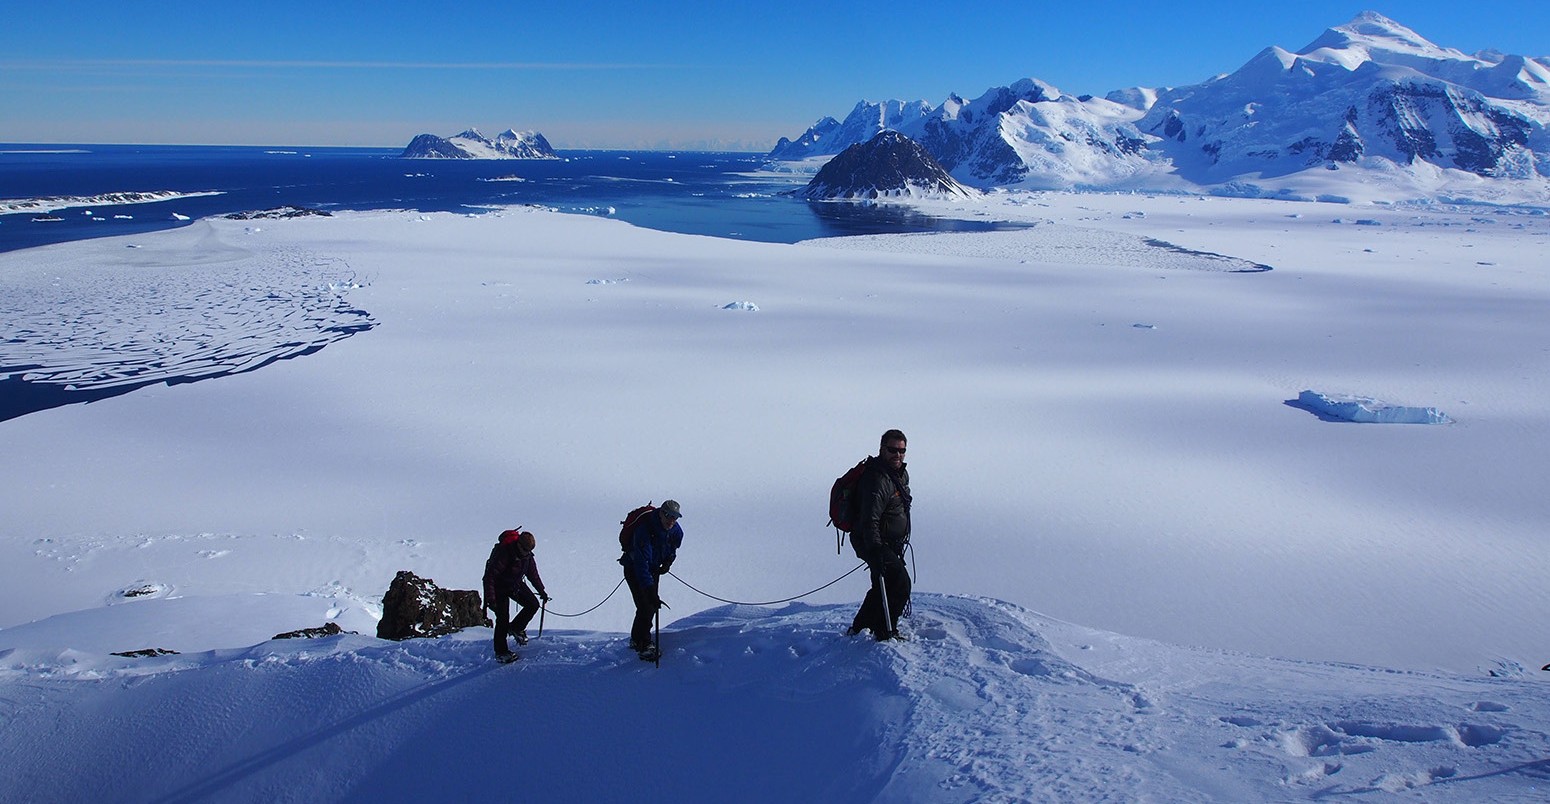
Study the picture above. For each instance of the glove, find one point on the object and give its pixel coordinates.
(661, 569)
(544, 596)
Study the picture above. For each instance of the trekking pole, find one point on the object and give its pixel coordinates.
(658, 636)
(543, 609)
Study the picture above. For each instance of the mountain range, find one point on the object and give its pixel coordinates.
(470, 144)
(1367, 104)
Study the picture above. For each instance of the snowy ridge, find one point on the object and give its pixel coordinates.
(1369, 110)
(865, 121)
(1368, 94)
(986, 702)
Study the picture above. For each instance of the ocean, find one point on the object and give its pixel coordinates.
(734, 195)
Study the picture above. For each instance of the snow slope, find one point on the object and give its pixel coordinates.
(1100, 410)
(987, 702)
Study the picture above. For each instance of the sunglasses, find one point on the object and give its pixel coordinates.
(894, 450)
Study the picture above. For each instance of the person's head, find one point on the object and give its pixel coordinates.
(670, 512)
(527, 540)
(891, 448)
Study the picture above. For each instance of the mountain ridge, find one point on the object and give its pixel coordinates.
(1371, 100)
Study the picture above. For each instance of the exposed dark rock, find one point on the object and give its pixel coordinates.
(324, 630)
(279, 213)
(417, 607)
(890, 164)
(1348, 146)
(145, 652)
(430, 146)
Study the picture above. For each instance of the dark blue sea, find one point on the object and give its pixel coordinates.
(731, 195)
(170, 329)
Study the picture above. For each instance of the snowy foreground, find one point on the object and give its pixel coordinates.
(1106, 425)
(988, 702)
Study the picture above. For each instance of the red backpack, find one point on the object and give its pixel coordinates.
(629, 522)
(842, 503)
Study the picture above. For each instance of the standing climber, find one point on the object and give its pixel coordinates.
(654, 539)
(882, 530)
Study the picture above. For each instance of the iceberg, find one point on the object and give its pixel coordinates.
(1368, 410)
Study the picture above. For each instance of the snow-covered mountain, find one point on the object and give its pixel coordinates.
(1371, 98)
(509, 144)
(1368, 90)
(828, 136)
(889, 165)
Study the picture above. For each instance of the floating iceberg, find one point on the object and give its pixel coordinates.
(1366, 409)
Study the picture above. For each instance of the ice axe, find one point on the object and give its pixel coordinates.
(882, 594)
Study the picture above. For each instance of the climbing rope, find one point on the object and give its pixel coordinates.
(610, 595)
(769, 602)
(588, 611)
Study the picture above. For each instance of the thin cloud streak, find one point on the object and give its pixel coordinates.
(343, 65)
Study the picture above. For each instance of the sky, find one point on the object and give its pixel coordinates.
(689, 74)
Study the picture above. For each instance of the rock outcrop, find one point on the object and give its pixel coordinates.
(890, 165)
(417, 607)
(324, 630)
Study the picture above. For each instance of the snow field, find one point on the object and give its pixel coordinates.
(1101, 436)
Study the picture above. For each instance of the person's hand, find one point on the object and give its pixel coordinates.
(544, 596)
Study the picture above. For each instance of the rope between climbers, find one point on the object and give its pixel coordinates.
(588, 611)
(769, 602)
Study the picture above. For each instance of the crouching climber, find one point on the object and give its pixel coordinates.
(506, 574)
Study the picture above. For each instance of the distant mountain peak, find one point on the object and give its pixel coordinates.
(1372, 33)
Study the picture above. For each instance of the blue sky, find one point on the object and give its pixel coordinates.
(691, 74)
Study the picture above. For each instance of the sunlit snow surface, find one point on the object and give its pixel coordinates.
(986, 702)
(1099, 432)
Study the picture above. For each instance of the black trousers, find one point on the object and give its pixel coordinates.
(894, 578)
(503, 622)
(645, 609)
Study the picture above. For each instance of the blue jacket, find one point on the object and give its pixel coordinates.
(651, 546)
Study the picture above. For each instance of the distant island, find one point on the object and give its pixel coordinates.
(509, 144)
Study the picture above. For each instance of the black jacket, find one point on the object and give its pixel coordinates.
(508, 566)
(882, 511)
